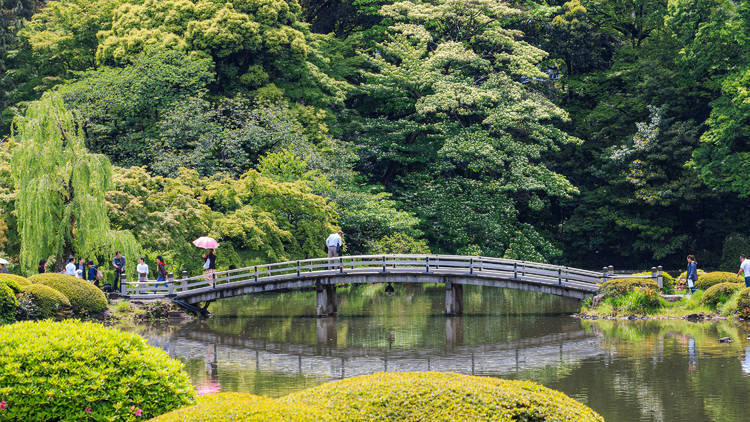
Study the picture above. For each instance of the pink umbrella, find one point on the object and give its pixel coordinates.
(206, 242)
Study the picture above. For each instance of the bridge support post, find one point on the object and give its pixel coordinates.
(326, 299)
(327, 332)
(454, 298)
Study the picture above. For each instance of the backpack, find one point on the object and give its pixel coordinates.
(99, 275)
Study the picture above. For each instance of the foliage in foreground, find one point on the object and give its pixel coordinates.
(84, 297)
(241, 407)
(442, 397)
(40, 302)
(71, 370)
(14, 280)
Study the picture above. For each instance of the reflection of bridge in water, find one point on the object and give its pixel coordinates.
(325, 359)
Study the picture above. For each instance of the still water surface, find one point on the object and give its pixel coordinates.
(625, 370)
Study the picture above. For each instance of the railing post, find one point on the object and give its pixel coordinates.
(341, 264)
(559, 276)
(427, 263)
(605, 274)
(654, 275)
(170, 284)
(383, 263)
(184, 281)
(123, 286)
(515, 270)
(611, 270)
(471, 265)
(256, 273)
(659, 276)
(297, 268)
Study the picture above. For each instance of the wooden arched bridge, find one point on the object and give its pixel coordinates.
(324, 274)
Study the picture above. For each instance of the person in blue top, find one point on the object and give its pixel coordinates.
(91, 276)
(692, 273)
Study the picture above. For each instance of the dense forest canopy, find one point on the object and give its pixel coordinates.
(583, 132)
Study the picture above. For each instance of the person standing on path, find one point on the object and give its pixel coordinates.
(692, 273)
(142, 270)
(210, 266)
(70, 267)
(81, 269)
(91, 276)
(119, 263)
(745, 268)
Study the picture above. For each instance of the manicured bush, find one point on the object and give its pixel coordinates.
(438, 396)
(71, 371)
(743, 303)
(668, 282)
(8, 304)
(84, 297)
(709, 279)
(241, 407)
(46, 301)
(719, 293)
(621, 286)
(13, 281)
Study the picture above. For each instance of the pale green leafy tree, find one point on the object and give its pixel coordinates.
(60, 188)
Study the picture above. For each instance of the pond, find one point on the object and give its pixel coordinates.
(625, 370)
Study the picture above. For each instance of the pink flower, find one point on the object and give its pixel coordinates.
(3, 405)
(88, 410)
(138, 412)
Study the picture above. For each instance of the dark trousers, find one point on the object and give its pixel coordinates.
(116, 284)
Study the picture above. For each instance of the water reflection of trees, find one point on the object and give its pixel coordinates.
(666, 371)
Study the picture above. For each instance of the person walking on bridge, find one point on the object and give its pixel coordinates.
(210, 266)
(334, 243)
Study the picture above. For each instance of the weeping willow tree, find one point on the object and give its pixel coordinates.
(60, 188)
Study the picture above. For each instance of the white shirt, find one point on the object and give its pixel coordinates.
(333, 240)
(70, 269)
(745, 265)
(142, 270)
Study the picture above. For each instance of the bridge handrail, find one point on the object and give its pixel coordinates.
(429, 263)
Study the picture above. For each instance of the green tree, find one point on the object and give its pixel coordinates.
(60, 187)
(452, 114)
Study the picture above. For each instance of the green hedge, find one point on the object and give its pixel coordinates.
(743, 303)
(709, 279)
(622, 286)
(13, 281)
(40, 302)
(72, 370)
(8, 304)
(84, 297)
(437, 396)
(719, 293)
(668, 282)
(241, 407)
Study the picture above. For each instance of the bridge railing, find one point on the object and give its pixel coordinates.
(482, 267)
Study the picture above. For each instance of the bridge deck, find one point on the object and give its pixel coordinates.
(449, 269)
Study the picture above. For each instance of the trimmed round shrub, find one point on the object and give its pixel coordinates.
(743, 303)
(46, 301)
(719, 293)
(13, 281)
(621, 286)
(84, 297)
(72, 371)
(241, 407)
(438, 396)
(709, 279)
(8, 304)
